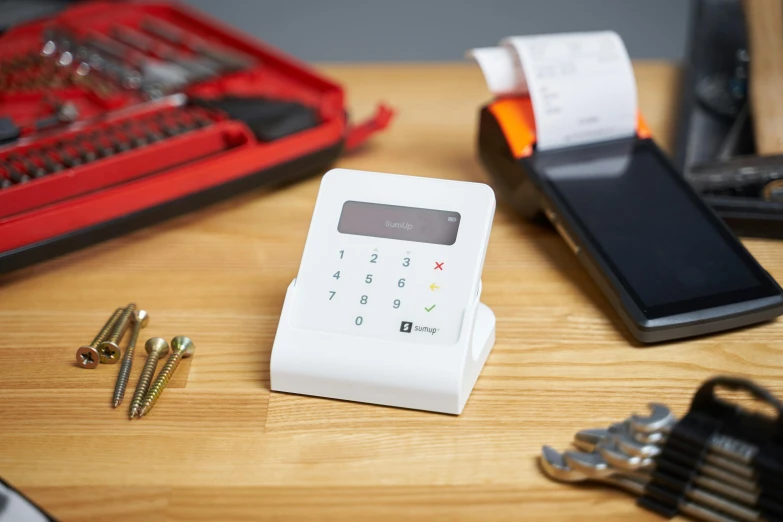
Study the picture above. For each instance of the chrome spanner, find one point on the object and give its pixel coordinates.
(555, 467)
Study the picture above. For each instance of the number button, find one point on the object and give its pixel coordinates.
(359, 320)
(336, 275)
(332, 292)
(374, 258)
(406, 261)
(367, 279)
(342, 253)
(397, 303)
(363, 300)
(401, 282)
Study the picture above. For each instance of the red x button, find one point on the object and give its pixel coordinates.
(438, 266)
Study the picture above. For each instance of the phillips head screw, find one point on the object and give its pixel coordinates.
(109, 349)
(87, 356)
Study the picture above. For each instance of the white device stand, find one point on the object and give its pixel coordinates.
(404, 374)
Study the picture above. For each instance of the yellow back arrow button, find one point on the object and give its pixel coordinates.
(433, 287)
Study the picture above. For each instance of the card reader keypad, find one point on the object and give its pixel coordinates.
(394, 290)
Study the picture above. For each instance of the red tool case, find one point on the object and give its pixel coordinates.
(130, 160)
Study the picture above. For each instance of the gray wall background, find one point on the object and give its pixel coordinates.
(410, 30)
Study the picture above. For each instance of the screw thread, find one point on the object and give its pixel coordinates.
(104, 332)
(144, 383)
(122, 381)
(161, 381)
(127, 364)
(122, 324)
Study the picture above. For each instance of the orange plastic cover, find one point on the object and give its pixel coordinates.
(516, 119)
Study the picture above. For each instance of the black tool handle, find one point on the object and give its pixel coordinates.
(705, 399)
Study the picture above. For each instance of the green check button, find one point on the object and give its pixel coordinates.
(430, 308)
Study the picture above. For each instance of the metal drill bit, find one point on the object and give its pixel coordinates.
(87, 356)
(182, 348)
(140, 320)
(109, 349)
(156, 348)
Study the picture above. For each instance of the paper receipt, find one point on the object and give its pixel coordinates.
(581, 85)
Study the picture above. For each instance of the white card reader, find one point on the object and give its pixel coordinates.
(385, 308)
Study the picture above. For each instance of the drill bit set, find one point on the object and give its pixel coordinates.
(105, 349)
(115, 137)
(719, 463)
(118, 115)
(149, 60)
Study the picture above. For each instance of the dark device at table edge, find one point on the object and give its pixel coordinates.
(519, 176)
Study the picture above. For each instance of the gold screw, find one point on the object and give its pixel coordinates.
(108, 349)
(87, 356)
(140, 320)
(156, 348)
(182, 348)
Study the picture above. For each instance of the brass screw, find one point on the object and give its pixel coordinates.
(181, 348)
(140, 320)
(108, 349)
(156, 348)
(87, 356)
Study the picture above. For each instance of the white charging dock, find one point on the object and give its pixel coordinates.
(405, 375)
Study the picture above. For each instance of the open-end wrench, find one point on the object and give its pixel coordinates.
(603, 460)
(586, 440)
(660, 417)
(554, 465)
(709, 476)
(728, 446)
(594, 466)
(608, 446)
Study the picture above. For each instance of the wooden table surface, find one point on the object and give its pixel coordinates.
(220, 446)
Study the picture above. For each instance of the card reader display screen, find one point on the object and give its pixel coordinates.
(420, 225)
(667, 249)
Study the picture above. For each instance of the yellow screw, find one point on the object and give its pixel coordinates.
(87, 356)
(182, 348)
(140, 320)
(109, 350)
(156, 348)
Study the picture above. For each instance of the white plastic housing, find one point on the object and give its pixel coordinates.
(344, 336)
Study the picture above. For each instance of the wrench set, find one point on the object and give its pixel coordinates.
(117, 115)
(719, 463)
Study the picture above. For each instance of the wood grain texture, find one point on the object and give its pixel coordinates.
(764, 20)
(224, 448)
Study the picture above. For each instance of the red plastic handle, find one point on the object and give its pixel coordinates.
(358, 134)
